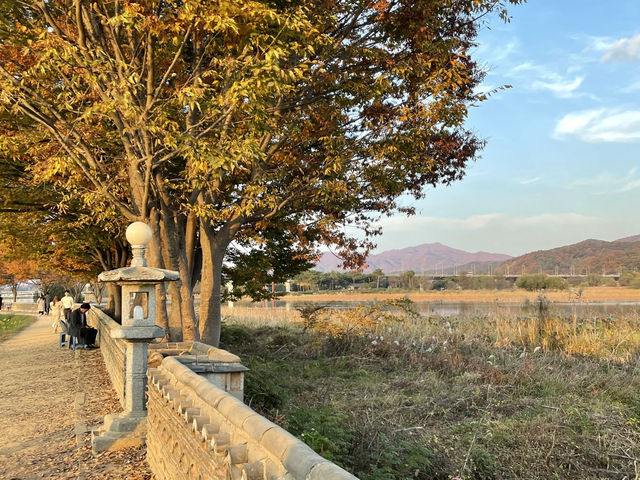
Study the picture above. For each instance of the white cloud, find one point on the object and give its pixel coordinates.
(539, 77)
(603, 125)
(528, 181)
(625, 49)
(562, 88)
(401, 223)
(631, 88)
(480, 222)
(606, 184)
(491, 55)
(501, 232)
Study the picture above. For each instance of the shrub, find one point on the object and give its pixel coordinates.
(350, 327)
(630, 279)
(234, 335)
(540, 281)
(323, 430)
(481, 464)
(400, 460)
(263, 390)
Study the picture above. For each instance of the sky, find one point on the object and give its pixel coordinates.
(561, 163)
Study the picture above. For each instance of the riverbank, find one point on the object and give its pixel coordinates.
(525, 397)
(515, 296)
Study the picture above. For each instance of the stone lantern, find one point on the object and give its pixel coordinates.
(137, 313)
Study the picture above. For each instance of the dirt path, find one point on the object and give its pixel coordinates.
(49, 398)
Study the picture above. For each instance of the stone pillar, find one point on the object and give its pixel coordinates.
(137, 283)
(136, 378)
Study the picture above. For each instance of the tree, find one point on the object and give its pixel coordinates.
(308, 279)
(378, 274)
(541, 281)
(215, 120)
(407, 279)
(270, 259)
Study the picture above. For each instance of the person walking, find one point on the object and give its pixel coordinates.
(47, 304)
(56, 311)
(67, 305)
(78, 321)
(41, 305)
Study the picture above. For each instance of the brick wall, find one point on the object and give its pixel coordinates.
(113, 350)
(197, 431)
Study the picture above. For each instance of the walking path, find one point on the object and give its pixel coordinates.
(49, 398)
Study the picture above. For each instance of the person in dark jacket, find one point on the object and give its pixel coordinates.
(47, 303)
(77, 321)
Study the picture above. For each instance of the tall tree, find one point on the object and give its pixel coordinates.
(213, 120)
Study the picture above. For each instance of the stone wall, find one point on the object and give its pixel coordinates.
(113, 350)
(220, 367)
(197, 426)
(196, 431)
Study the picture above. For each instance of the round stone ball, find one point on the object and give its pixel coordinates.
(138, 233)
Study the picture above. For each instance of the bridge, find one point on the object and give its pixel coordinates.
(615, 276)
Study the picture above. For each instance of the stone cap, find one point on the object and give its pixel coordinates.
(137, 333)
(139, 274)
(205, 365)
(215, 354)
(194, 348)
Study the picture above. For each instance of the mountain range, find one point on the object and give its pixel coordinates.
(425, 258)
(589, 256)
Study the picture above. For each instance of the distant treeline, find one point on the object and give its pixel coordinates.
(314, 280)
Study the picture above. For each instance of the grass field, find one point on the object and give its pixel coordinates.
(12, 324)
(391, 395)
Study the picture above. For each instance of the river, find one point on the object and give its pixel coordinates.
(452, 309)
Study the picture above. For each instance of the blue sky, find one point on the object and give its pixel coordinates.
(561, 163)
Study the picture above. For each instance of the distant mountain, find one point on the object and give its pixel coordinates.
(589, 256)
(425, 258)
(633, 238)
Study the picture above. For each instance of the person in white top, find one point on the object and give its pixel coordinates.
(67, 305)
(56, 310)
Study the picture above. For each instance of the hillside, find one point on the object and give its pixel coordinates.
(425, 258)
(589, 256)
(632, 238)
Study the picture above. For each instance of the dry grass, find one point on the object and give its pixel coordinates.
(257, 316)
(517, 296)
(605, 338)
(529, 396)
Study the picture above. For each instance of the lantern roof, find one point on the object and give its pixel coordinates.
(139, 274)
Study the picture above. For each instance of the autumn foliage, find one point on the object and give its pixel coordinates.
(218, 121)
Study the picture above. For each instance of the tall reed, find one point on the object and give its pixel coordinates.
(613, 338)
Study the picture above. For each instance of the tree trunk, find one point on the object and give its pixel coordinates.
(214, 246)
(154, 259)
(175, 318)
(173, 233)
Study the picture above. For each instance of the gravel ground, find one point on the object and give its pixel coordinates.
(49, 399)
